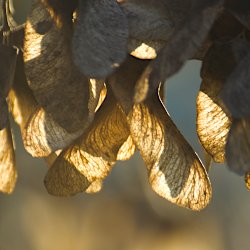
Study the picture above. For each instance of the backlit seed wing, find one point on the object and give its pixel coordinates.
(238, 146)
(56, 83)
(212, 122)
(93, 155)
(8, 174)
(247, 180)
(100, 37)
(144, 49)
(21, 99)
(190, 33)
(175, 172)
(44, 136)
(126, 150)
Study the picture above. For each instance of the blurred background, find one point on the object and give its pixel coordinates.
(126, 214)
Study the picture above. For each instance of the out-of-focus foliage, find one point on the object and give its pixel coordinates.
(59, 66)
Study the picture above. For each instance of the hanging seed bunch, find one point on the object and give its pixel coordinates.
(84, 81)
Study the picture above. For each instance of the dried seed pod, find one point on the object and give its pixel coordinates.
(213, 123)
(56, 83)
(100, 37)
(238, 146)
(175, 172)
(8, 173)
(91, 158)
(190, 34)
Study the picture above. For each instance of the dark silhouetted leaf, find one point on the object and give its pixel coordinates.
(7, 70)
(150, 20)
(236, 90)
(238, 146)
(100, 37)
(123, 81)
(241, 10)
(184, 43)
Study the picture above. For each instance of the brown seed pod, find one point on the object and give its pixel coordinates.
(56, 83)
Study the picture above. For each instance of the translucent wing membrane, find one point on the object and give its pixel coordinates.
(8, 174)
(175, 172)
(213, 123)
(93, 155)
(56, 83)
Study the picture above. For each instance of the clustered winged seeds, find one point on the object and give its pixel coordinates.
(85, 81)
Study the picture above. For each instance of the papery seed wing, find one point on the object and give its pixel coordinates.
(100, 37)
(93, 155)
(175, 172)
(21, 99)
(247, 180)
(43, 135)
(56, 83)
(213, 123)
(184, 43)
(238, 146)
(8, 174)
(127, 150)
(144, 49)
